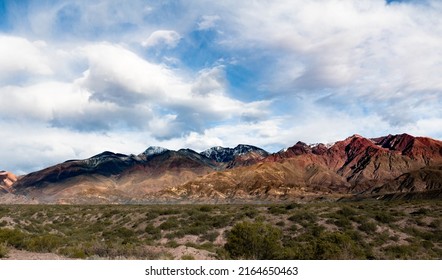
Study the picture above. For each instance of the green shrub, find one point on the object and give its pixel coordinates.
(254, 240)
(13, 237)
(292, 206)
(420, 222)
(384, 217)
(195, 229)
(427, 244)
(294, 228)
(249, 212)
(3, 250)
(208, 246)
(346, 211)
(205, 208)
(367, 227)
(210, 236)
(315, 230)
(44, 243)
(171, 223)
(436, 224)
(169, 211)
(277, 210)
(220, 221)
(172, 244)
(343, 222)
(394, 238)
(73, 252)
(302, 217)
(326, 246)
(175, 234)
(420, 211)
(400, 251)
(187, 257)
(434, 235)
(153, 232)
(121, 234)
(280, 223)
(152, 215)
(333, 245)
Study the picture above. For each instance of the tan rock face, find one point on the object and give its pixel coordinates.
(7, 179)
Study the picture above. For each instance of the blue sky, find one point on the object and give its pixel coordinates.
(81, 77)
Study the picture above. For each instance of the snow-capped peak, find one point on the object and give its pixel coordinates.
(212, 150)
(221, 154)
(314, 145)
(328, 145)
(154, 150)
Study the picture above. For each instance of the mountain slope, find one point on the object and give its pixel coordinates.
(355, 165)
(241, 155)
(428, 178)
(114, 177)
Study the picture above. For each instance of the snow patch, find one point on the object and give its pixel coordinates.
(154, 150)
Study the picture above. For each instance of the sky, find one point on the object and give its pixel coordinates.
(81, 77)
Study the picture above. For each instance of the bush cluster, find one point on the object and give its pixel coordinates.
(254, 240)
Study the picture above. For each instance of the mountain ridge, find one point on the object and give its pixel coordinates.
(353, 166)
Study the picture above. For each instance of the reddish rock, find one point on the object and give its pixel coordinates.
(7, 179)
(355, 165)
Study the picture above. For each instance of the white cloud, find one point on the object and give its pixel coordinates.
(45, 146)
(324, 70)
(209, 81)
(165, 127)
(21, 59)
(118, 76)
(208, 22)
(425, 127)
(169, 38)
(41, 101)
(385, 58)
(119, 94)
(276, 133)
(201, 142)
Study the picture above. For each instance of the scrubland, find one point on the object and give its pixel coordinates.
(318, 230)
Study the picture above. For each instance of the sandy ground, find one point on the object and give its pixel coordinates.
(180, 251)
(175, 253)
(15, 254)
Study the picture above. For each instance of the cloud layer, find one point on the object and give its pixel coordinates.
(79, 78)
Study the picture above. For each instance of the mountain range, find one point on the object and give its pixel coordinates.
(356, 167)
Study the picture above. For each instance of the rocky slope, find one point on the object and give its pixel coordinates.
(111, 177)
(241, 155)
(428, 178)
(7, 179)
(353, 166)
(356, 165)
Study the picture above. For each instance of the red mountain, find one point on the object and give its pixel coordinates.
(354, 166)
